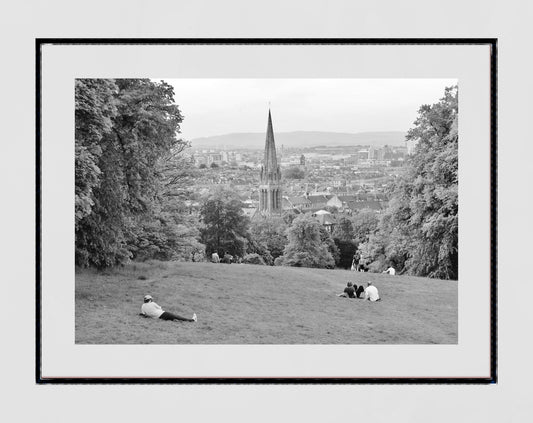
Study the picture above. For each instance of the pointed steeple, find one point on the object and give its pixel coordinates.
(270, 163)
(270, 195)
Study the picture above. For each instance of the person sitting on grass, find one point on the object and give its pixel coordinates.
(154, 310)
(349, 291)
(371, 292)
(359, 291)
(391, 271)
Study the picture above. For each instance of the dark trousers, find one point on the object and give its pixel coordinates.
(169, 316)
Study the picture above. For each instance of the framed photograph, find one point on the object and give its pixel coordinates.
(266, 211)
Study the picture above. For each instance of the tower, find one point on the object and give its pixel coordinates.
(270, 177)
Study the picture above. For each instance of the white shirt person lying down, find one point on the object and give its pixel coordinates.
(154, 310)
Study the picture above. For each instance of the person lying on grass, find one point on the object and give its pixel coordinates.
(154, 310)
(371, 292)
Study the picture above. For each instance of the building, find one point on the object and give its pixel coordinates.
(299, 202)
(326, 219)
(337, 183)
(215, 158)
(270, 198)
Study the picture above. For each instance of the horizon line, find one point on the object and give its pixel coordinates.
(296, 131)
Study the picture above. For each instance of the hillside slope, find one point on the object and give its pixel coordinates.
(247, 304)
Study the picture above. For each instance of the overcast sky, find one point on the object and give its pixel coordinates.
(221, 106)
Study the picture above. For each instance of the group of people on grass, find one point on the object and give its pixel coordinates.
(369, 293)
(360, 265)
(226, 258)
(154, 310)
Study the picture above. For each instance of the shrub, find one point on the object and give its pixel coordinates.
(253, 259)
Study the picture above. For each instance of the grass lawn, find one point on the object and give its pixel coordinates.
(248, 304)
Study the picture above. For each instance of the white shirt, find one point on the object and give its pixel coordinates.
(371, 293)
(391, 271)
(151, 309)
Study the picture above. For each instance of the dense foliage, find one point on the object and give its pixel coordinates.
(268, 237)
(294, 172)
(126, 135)
(253, 258)
(225, 227)
(418, 233)
(305, 247)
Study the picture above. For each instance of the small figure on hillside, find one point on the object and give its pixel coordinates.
(355, 262)
(228, 258)
(349, 291)
(391, 271)
(215, 258)
(371, 292)
(359, 291)
(154, 310)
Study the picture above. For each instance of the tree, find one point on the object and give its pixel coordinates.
(419, 230)
(364, 223)
(344, 237)
(289, 216)
(346, 249)
(125, 127)
(269, 237)
(294, 172)
(95, 107)
(225, 225)
(344, 230)
(305, 248)
(327, 240)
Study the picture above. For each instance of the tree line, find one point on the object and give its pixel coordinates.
(130, 174)
(418, 233)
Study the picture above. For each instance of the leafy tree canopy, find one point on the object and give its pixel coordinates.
(294, 172)
(271, 233)
(126, 131)
(305, 247)
(419, 231)
(225, 225)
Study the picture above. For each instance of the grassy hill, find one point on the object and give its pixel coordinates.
(247, 304)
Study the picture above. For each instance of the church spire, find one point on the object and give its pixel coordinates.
(270, 198)
(271, 162)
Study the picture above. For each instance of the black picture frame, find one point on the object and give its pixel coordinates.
(492, 42)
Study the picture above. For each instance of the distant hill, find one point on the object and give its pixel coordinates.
(301, 139)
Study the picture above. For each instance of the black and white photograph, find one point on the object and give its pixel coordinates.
(266, 211)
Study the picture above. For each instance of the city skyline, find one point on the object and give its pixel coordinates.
(222, 106)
